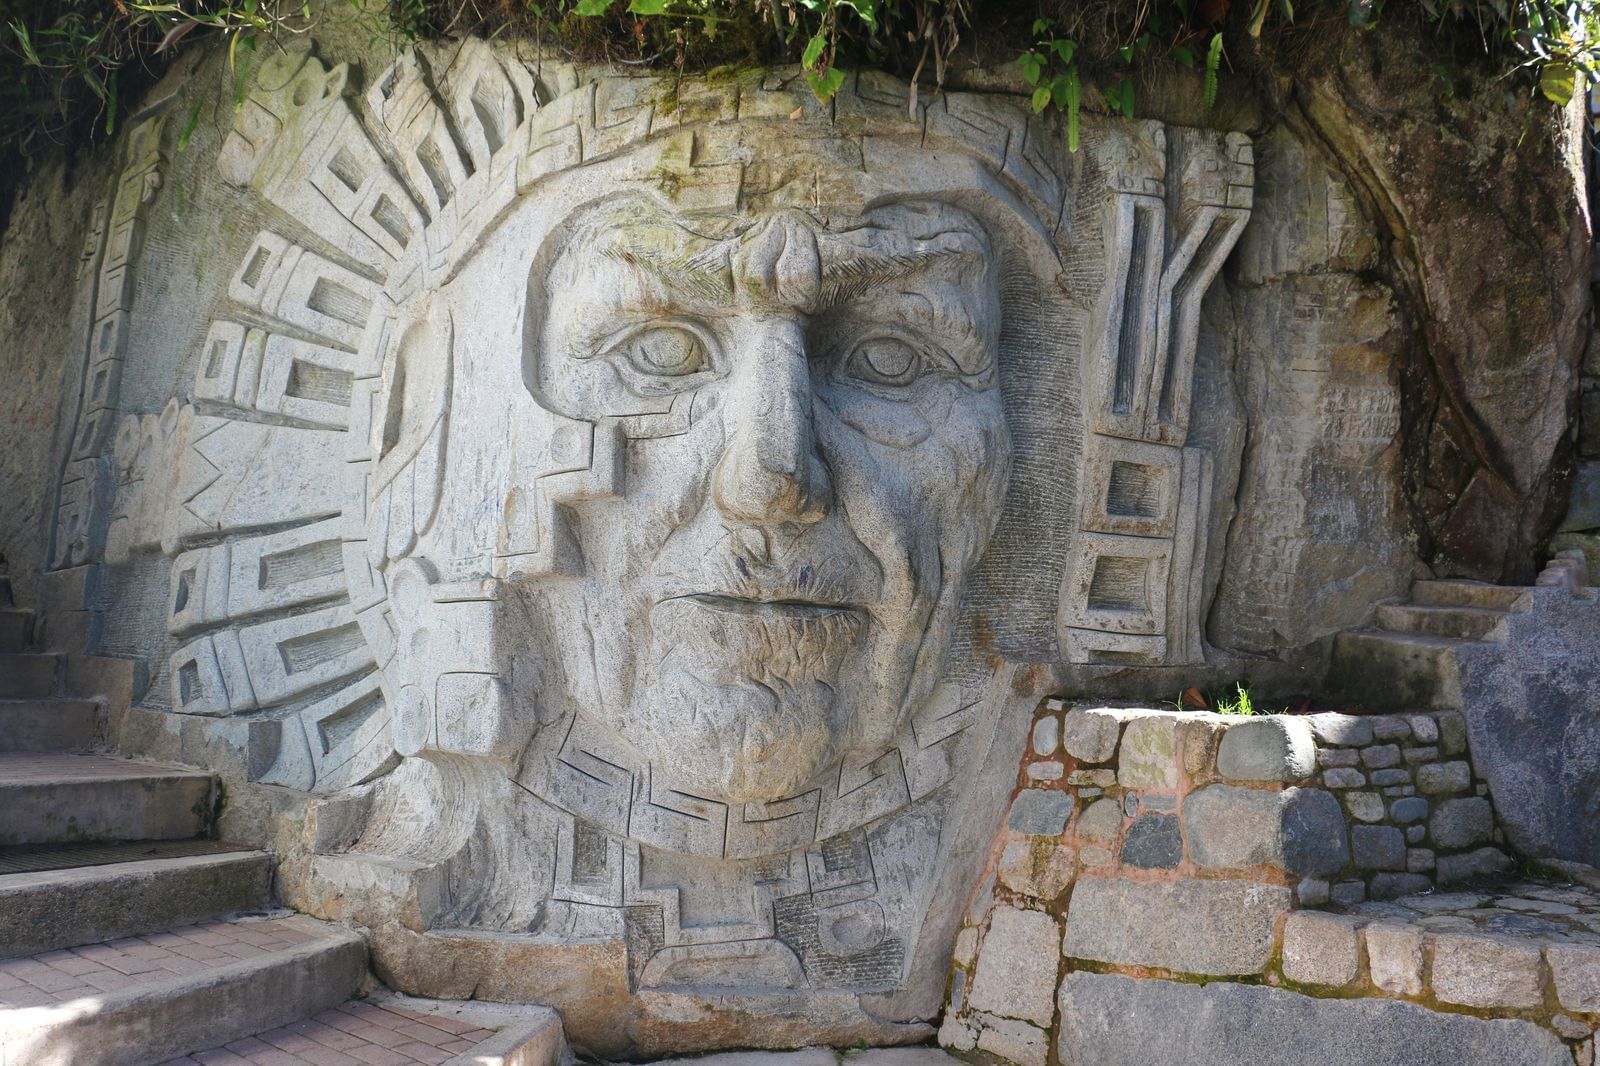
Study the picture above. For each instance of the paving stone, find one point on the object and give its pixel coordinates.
(1452, 733)
(1461, 823)
(1394, 955)
(1378, 847)
(1576, 971)
(1272, 748)
(1379, 756)
(955, 1033)
(1046, 735)
(1096, 778)
(1153, 842)
(1338, 757)
(1320, 949)
(1037, 868)
(1046, 771)
(1423, 727)
(1408, 810)
(1398, 886)
(1100, 822)
(1471, 864)
(1110, 1019)
(1040, 812)
(1364, 806)
(1017, 966)
(1301, 830)
(1486, 971)
(1095, 856)
(1090, 733)
(1148, 757)
(1189, 926)
(1345, 730)
(1343, 777)
(1015, 1042)
(1444, 777)
(1569, 1028)
(966, 948)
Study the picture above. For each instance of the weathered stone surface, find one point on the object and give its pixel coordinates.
(1461, 823)
(1409, 809)
(1452, 733)
(1465, 866)
(1108, 1018)
(1444, 777)
(1320, 949)
(1364, 806)
(1379, 756)
(1273, 748)
(1299, 830)
(1100, 822)
(1344, 777)
(1475, 970)
(1378, 847)
(1423, 727)
(1576, 971)
(1090, 733)
(1148, 757)
(1014, 1041)
(1153, 842)
(1345, 730)
(1191, 926)
(1037, 868)
(1394, 953)
(1017, 964)
(1398, 885)
(1040, 812)
(1046, 735)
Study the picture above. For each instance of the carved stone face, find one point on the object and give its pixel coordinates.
(775, 585)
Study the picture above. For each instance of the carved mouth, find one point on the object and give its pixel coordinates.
(769, 608)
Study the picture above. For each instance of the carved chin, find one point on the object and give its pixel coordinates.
(744, 706)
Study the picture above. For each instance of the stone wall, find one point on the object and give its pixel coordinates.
(1162, 845)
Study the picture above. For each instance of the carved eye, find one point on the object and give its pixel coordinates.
(884, 361)
(665, 351)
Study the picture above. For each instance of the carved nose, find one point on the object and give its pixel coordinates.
(770, 470)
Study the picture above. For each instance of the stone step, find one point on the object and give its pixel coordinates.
(6, 598)
(64, 908)
(1460, 623)
(51, 725)
(53, 798)
(399, 1029)
(148, 998)
(28, 675)
(16, 629)
(1456, 593)
(1395, 671)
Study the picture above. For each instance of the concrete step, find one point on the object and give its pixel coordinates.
(51, 725)
(16, 629)
(1459, 623)
(63, 908)
(52, 798)
(1395, 671)
(399, 1029)
(1455, 593)
(148, 998)
(28, 675)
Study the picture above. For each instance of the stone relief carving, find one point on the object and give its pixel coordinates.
(610, 495)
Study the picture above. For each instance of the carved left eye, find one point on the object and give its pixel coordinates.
(884, 361)
(665, 351)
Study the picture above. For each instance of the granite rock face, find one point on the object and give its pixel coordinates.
(1107, 1018)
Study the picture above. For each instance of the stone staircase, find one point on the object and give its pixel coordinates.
(129, 935)
(1406, 659)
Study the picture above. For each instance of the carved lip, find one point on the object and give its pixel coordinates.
(771, 608)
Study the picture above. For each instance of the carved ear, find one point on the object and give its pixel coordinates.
(409, 439)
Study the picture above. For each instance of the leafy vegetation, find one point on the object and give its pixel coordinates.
(68, 64)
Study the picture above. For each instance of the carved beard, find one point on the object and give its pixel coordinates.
(744, 703)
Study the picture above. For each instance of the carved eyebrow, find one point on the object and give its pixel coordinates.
(850, 276)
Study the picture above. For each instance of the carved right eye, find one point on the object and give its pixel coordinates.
(664, 351)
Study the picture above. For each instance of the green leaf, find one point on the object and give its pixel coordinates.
(111, 105)
(825, 85)
(647, 7)
(1032, 64)
(866, 10)
(1125, 97)
(1183, 55)
(813, 52)
(1041, 98)
(1041, 26)
(592, 8)
(1065, 49)
(1557, 81)
(1126, 51)
(1258, 17)
(1213, 64)
(189, 126)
